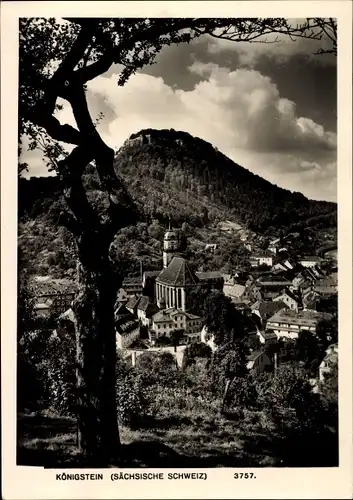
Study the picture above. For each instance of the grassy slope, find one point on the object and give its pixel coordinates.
(182, 440)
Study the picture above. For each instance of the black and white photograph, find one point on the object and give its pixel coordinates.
(177, 244)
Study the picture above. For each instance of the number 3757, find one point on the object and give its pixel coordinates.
(244, 475)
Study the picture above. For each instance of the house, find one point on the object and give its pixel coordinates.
(288, 323)
(122, 297)
(311, 261)
(211, 279)
(143, 308)
(331, 255)
(266, 337)
(264, 309)
(208, 338)
(132, 303)
(326, 286)
(261, 260)
(310, 299)
(279, 267)
(211, 247)
(127, 327)
(167, 320)
(258, 362)
(289, 299)
(271, 285)
(52, 295)
(66, 323)
(234, 290)
(329, 362)
(290, 263)
(132, 286)
(149, 283)
(43, 309)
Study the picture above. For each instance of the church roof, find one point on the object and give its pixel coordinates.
(178, 273)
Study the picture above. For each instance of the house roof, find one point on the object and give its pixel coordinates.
(236, 289)
(167, 314)
(310, 297)
(311, 258)
(208, 275)
(143, 303)
(267, 307)
(272, 280)
(151, 274)
(126, 324)
(132, 302)
(67, 315)
(125, 321)
(289, 294)
(43, 305)
(45, 285)
(305, 317)
(268, 335)
(178, 273)
(253, 355)
(121, 311)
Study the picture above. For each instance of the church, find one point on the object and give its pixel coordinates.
(176, 280)
(170, 287)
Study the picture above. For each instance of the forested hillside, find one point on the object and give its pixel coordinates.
(171, 174)
(173, 171)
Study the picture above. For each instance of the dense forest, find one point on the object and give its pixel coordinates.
(172, 175)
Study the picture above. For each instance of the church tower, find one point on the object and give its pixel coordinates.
(171, 246)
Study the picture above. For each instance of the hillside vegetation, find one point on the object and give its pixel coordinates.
(172, 175)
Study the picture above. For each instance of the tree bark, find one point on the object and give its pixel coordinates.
(96, 351)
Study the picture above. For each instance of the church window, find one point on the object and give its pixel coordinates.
(179, 297)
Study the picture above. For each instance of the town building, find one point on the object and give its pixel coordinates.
(52, 295)
(329, 362)
(258, 362)
(234, 290)
(132, 286)
(175, 283)
(311, 261)
(208, 338)
(167, 320)
(326, 286)
(143, 308)
(271, 285)
(127, 327)
(210, 279)
(211, 247)
(289, 299)
(288, 323)
(309, 299)
(264, 309)
(261, 260)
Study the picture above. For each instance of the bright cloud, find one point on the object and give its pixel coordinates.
(241, 112)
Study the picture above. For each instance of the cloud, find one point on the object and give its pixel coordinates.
(241, 112)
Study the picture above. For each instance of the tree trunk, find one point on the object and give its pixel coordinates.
(96, 352)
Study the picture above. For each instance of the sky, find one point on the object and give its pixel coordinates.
(270, 107)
